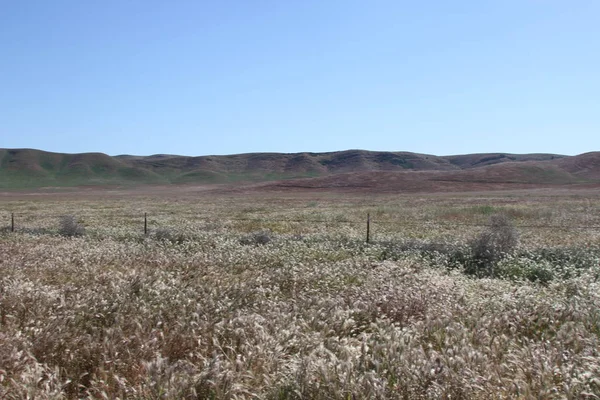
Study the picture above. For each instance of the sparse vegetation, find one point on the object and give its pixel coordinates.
(213, 309)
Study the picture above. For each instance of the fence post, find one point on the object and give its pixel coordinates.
(368, 226)
(145, 224)
(12, 222)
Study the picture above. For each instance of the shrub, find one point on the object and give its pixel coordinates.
(520, 267)
(259, 238)
(498, 240)
(166, 235)
(457, 255)
(568, 260)
(68, 225)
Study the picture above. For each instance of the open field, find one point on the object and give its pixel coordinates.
(276, 295)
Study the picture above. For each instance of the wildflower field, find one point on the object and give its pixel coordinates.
(278, 296)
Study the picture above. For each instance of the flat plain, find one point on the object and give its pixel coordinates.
(234, 294)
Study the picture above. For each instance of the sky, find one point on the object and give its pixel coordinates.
(226, 77)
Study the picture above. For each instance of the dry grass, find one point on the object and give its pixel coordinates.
(312, 312)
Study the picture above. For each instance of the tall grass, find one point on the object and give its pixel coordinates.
(225, 314)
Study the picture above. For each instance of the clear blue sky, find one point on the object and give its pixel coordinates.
(223, 77)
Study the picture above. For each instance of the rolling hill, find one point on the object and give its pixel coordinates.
(382, 171)
(24, 168)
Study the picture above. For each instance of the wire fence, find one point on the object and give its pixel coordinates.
(22, 220)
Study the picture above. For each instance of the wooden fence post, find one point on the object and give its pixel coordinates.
(368, 227)
(145, 224)
(12, 222)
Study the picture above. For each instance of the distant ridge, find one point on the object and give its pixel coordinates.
(29, 168)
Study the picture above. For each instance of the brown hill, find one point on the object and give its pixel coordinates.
(585, 166)
(479, 160)
(566, 172)
(297, 163)
(382, 171)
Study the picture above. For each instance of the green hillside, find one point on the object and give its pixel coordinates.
(33, 168)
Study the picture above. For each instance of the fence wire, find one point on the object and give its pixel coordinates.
(20, 217)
